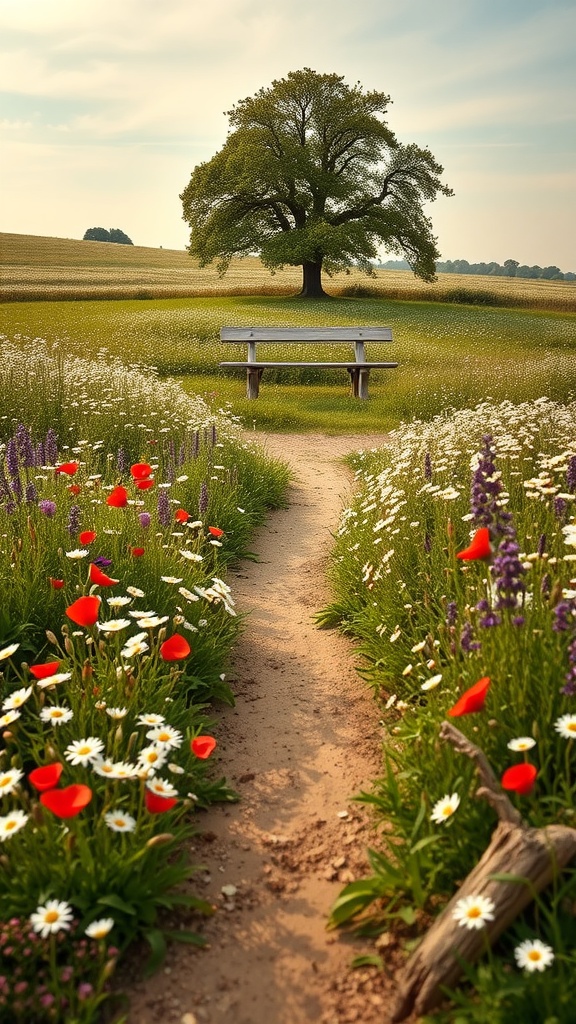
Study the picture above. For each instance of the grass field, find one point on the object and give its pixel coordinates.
(42, 268)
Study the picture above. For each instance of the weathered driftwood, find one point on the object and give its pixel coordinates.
(535, 855)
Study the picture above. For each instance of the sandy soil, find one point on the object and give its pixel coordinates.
(303, 738)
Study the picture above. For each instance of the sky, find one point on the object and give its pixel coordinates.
(106, 106)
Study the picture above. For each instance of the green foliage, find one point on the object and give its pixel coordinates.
(103, 235)
(311, 174)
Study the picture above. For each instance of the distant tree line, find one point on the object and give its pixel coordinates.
(510, 268)
(105, 235)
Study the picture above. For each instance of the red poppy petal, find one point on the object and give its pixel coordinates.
(67, 802)
(215, 531)
(48, 668)
(118, 498)
(99, 577)
(182, 516)
(175, 648)
(159, 804)
(87, 536)
(84, 611)
(472, 700)
(46, 777)
(140, 470)
(137, 552)
(56, 584)
(520, 778)
(68, 467)
(74, 489)
(144, 485)
(479, 546)
(202, 746)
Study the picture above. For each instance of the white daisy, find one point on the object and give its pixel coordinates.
(134, 647)
(521, 743)
(124, 770)
(58, 677)
(117, 712)
(7, 652)
(9, 780)
(104, 767)
(8, 718)
(152, 757)
(56, 715)
(190, 555)
(153, 621)
(119, 821)
(113, 625)
(135, 591)
(12, 823)
(566, 726)
(533, 955)
(187, 594)
(150, 719)
(444, 808)
(171, 579)
(118, 602)
(431, 683)
(175, 768)
(473, 911)
(99, 929)
(84, 751)
(77, 553)
(16, 699)
(166, 736)
(161, 788)
(54, 916)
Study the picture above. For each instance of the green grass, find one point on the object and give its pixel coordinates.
(450, 356)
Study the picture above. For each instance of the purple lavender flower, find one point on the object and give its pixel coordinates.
(541, 545)
(73, 525)
(25, 446)
(564, 613)
(31, 493)
(571, 474)
(560, 506)
(102, 562)
(51, 447)
(203, 499)
(546, 585)
(12, 463)
(10, 507)
(451, 613)
(48, 508)
(122, 461)
(467, 642)
(489, 617)
(427, 466)
(569, 689)
(144, 519)
(16, 487)
(507, 571)
(39, 454)
(486, 487)
(163, 508)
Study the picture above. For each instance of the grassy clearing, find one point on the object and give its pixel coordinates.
(450, 356)
(37, 268)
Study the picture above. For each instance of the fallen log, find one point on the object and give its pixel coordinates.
(530, 858)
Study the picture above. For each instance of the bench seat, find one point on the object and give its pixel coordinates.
(333, 366)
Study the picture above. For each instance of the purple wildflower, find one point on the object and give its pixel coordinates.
(31, 493)
(102, 562)
(486, 487)
(451, 613)
(39, 454)
(48, 508)
(122, 461)
(51, 447)
(203, 499)
(564, 619)
(12, 458)
(427, 466)
(163, 508)
(560, 506)
(571, 474)
(541, 545)
(73, 524)
(427, 542)
(467, 642)
(16, 487)
(144, 518)
(569, 689)
(25, 446)
(546, 585)
(507, 571)
(489, 618)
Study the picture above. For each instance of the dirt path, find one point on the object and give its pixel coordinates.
(303, 738)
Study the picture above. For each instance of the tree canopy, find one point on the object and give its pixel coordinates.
(105, 235)
(311, 175)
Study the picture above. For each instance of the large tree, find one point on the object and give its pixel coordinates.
(311, 175)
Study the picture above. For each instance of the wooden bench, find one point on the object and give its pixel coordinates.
(359, 369)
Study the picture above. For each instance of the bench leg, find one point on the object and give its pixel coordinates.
(359, 381)
(253, 378)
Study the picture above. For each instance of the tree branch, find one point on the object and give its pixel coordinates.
(490, 790)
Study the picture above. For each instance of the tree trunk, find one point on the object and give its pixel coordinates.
(312, 281)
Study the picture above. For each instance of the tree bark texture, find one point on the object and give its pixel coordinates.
(533, 856)
(312, 281)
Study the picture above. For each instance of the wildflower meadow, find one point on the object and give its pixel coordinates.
(455, 570)
(122, 501)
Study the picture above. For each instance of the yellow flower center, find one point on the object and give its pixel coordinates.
(57, 713)
(119, 822)
(51, 916)
(84, 750)
(535, 955)
(10, 825)
(164, 737)
(571, 726)
(5, 782)
(474, 912)
(448, 810)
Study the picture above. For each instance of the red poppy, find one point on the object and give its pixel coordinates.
(74, 489)
(56, 584)
(45, 670)
(46, 777)
(67, 802)
(84, 611)
(99, 577)
(140, 470)
(215, 531)
(118, 498)
(182, 516)
(520, 778)
(87, 536)
(159, 804)
(472, 700)
(137, 552)
(175, 648)
(479, 546)
(145, 485)
(202, 746)
(68, 467)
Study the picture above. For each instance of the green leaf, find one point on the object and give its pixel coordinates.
(422, 843)
(368, 960)
(505, 876)
(190, 938)
(112, 900)
(157, 943)
(353, 899)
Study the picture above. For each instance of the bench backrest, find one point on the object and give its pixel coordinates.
(356, 336)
